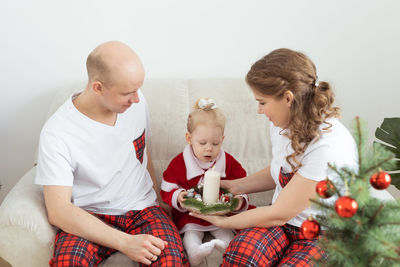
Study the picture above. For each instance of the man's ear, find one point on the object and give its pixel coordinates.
(97, 87)
(288, 96)
(188, 138)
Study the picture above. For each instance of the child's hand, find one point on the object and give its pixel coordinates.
(239, 206)
(180, 197)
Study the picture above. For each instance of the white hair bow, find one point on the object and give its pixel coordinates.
(207, 103)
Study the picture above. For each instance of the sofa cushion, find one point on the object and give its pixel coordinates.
(246, 132)
(170, 101)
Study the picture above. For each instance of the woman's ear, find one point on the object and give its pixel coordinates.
(188, 138)
(288, 96)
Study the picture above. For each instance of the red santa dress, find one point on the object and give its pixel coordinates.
(185, 172)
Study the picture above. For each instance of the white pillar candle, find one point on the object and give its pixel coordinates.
(211, 186)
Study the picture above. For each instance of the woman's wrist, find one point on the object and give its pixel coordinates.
(237, 186)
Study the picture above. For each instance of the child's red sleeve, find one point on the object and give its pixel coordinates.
(170, 185)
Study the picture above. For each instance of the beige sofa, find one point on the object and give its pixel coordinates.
(26, 237)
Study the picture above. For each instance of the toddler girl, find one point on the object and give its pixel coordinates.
(204, 137)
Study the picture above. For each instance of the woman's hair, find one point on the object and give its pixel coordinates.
(205, 111)
(287, 70)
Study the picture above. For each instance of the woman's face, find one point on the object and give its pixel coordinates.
(277, 110)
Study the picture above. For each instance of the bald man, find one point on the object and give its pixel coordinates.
(96, 170)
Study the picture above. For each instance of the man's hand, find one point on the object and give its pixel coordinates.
(143, 248)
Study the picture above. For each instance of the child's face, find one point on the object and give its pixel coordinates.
(206, 141)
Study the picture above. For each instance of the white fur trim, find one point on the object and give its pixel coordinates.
(167, 186)
(246, 203)
(192, 167)
(197, 227)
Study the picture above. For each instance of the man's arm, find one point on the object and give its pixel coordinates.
(156, 187)
(72, 219)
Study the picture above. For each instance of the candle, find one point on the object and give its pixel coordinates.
(211, 186)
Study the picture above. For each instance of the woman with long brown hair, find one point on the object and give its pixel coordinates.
(305, 135)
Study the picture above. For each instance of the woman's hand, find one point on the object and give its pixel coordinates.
(231, 185)
(213, 219)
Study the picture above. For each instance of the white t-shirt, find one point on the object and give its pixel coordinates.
(336, 147)
(107, 172)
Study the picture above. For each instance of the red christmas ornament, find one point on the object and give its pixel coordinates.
(380, 180)
(325, 188)
(310, 228)
(225, 199)
(346, 206)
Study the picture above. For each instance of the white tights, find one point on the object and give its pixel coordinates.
(197, 250)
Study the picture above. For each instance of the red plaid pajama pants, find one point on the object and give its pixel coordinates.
(71, 250)
(274, 246)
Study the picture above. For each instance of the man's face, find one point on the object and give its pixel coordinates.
(119, 95)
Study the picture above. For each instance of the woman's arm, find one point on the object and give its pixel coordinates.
(293, 199)
(257, 182)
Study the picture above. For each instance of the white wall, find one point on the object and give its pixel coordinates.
(355, 45)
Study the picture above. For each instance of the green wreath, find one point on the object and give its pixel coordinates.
(195, 205)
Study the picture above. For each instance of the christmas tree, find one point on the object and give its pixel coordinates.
(389, 134)
(357, 228)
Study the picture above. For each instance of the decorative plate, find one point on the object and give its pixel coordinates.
(194, 203)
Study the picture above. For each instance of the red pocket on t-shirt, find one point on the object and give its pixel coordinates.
(139, 144)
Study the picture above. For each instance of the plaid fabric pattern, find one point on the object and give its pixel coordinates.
(139, 144)
(71, 250)
(273, 246)
(284, 178)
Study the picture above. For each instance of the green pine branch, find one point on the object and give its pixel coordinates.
(321, 204)
(388, 136)
(379, 164)
(356, 241)
(376, 213)
(359, 141)
(388, 223)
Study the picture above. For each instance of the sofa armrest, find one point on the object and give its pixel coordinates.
(24, 228)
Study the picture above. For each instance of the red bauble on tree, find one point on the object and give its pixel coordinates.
(310, 228)
(325, 188)
(346, 206)
(380, 180)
